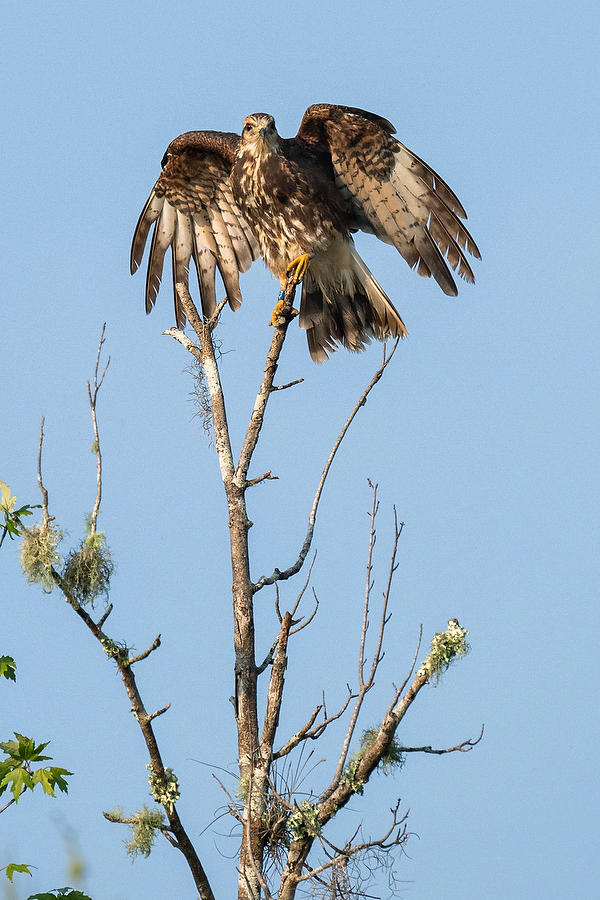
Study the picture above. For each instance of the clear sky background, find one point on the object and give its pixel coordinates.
(483, 433)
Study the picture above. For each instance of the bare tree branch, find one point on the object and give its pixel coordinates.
(278, 574)
(395, 836)
(304, 586)
(464, 747)
(120, 655)
(276, 683)
(266, 477)
(312, 732)
(153, 646)
(46, 517)
(159, 712)
(284, 387)
(233, 806)
(105, 615)
(307, 622)
(366, 685)
(93, 397)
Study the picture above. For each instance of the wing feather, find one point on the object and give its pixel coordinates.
(148, 216)
(193, 211)
(164, 232)
(391, 191)
(241, 247)
(226, 259)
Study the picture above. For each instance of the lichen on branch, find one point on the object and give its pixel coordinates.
(88, 570)
(39, 555)
(446, 646)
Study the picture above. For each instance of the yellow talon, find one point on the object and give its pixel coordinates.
(299, 265)
(275, 314)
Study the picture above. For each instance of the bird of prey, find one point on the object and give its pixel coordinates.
(223, 200)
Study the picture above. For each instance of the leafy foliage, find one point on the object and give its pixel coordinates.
(8, 668)
(11, 868)
(12, 516)
(39, 555)
(17, 773)
(88, 570)
(65, 892)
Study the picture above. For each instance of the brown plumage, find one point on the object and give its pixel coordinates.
(223, 200)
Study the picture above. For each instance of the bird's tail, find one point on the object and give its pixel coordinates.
(342, 303)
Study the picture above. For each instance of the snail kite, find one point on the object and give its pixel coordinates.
(224, 200)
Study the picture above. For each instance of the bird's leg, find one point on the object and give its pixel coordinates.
(275, 318)
(299, 266)
(296, 271)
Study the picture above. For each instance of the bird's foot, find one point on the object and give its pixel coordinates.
(276, 318)
(297, 268)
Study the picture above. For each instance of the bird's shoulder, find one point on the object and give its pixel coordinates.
(196, 145)
(321, 120)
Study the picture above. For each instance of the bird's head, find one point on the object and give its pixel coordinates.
(259, 131)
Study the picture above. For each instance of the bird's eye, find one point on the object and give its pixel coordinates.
(247, 127)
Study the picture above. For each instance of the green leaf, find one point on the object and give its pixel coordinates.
(8, 668)
(11, 526)
(7, 502)
(67, 892)
(51, 778)
(24, 749)
(21, 781)
(26, 510)
(16, 867)
(43, 777)
(58, 780)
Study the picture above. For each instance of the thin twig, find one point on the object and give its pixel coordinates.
(304, 586)
(278, 574)
(384, 843)
(266, 477)
(267, 660)
(46, 518)
(93, 397)
(399, 691)
(232, 806)
(284, 387)
(464, 747)
(307, 622)
(153, 646)
(366, 685)
(312, 732)
(158, 712)
(105, 615)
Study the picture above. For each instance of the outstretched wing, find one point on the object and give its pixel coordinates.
(391, 192)
(193, 212)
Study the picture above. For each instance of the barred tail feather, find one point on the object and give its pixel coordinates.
(342, 303)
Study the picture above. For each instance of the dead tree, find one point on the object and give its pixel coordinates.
(284, 847)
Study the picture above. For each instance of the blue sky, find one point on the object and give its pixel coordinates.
(483, 432)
